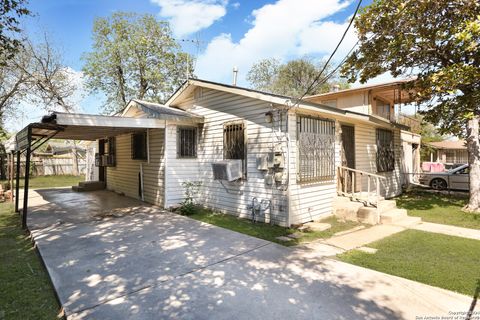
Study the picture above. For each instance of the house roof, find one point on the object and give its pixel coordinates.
(160, 111)
(384, 88)
(449, 144)
(186, 89)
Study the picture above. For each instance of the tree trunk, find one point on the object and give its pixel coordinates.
(473, 147)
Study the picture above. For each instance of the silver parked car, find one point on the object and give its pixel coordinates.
(456, 178)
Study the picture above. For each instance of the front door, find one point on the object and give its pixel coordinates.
(348, 154)
(348, 146)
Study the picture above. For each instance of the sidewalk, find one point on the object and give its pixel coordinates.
(448, 230)
(360, 238)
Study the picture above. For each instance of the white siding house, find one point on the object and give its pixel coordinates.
(289, 152)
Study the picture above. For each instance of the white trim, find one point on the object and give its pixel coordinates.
(148, 145)
(76, 119)
(165, 166)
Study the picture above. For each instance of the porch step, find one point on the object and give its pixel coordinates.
(386, 212)
(345, 209)
(386, 205)
(78, 188)
(393, 216)
(89, 186)
(368, 215)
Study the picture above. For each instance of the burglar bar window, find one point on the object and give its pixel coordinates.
(316, 149)
(234, 141)
(385, 151)
(187, 142)
(139, 146)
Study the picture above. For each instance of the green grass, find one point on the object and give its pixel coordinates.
(438, 208)
(26, 292)
(266, 231)
(52, 181)
(435, 259)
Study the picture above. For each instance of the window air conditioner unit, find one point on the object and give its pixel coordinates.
(229, 170)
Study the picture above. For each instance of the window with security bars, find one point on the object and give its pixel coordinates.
(316, 149)
(187, 142)
(139, 146)
(234, 141)
(385, 151)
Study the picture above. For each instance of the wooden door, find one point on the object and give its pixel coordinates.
(348, 154)
(348, 146)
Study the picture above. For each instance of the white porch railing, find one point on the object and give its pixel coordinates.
(350, 183)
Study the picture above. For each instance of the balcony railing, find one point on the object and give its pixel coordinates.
(403, 119)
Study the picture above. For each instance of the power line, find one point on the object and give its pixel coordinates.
(328, 76)
(332, 54)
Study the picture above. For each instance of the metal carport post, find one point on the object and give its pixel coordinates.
(23, 143)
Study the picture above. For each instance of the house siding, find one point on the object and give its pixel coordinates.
(365, 160)
(124, 177)
(218, 108)
(310, 201)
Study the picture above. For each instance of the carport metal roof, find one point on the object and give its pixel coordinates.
(75, 126)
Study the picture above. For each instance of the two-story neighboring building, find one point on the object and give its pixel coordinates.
(382, 102)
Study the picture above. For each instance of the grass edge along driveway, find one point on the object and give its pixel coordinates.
(27, 292)
(448, 262)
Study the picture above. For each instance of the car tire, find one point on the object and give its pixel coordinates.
(438, 184)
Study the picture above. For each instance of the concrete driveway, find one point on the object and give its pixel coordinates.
(111, 257)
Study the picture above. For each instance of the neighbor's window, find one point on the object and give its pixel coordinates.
(316, 149)
(234, 141)
(187, 142)
(139, 146)
(382, 108)
(385, 151)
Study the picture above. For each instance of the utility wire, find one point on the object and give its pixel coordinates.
(328, 76)
(332, 54)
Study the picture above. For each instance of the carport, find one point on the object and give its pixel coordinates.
(70, 126)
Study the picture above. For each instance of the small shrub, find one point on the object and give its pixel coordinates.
(188, 205)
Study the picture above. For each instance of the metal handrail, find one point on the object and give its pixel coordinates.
(343, 185)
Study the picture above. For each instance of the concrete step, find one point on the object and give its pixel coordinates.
(91, 185)
(78, 188)
(386, 205)
(368, 215)
(347, 210)
(393, 216)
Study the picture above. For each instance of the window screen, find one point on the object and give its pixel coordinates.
(139, 146)
(234, 141)
(316, 149)
(187, 142)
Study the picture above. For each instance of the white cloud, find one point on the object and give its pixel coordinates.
(236, 5)
(285, 29)
(187, 17)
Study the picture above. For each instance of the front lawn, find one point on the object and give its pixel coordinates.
(439, 260)
(269, 232)
(52, 181)
(438, 208)
(26, 291)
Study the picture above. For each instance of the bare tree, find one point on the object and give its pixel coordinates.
(50, 82)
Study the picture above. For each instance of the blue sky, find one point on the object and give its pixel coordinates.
(232, 33)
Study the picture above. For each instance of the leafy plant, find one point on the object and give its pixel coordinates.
(189, 205)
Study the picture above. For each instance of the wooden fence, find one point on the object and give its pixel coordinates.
(50, 166)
